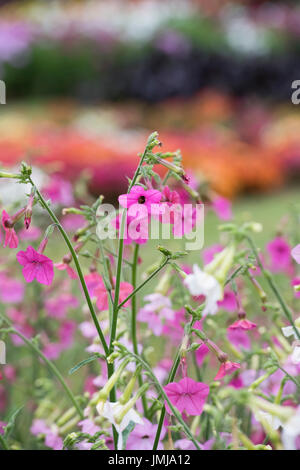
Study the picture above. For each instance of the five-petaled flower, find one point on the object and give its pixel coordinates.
(36, 266)
(187, 395)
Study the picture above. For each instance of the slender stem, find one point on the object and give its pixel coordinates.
(134, 292)
(163, 411)
(133, 319)
(51, 366)
(3, 443)
(78, 267)
(274, 288)
(289, 376)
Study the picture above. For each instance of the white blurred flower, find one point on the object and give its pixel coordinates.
(291, 431)
(201, 283)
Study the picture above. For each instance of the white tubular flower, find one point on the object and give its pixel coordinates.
(111, 410)
(273, 421)
(288, 331)
(295, 357)
(201, 283)
(291, 432)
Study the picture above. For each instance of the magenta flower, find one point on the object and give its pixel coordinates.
(296, 282)
(11, 238)
(187, 395)
(242, 324)
(65, 266)
(139, 195)
(222, 208)
(280, 253)
(296, 253)
(229, 301)
(226, 368)
(102, 298)
(36, 266)
(201, 353)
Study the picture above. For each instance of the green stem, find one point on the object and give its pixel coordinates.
(78, 267)
(51, 366)
(163, 411)
(134, 292)
(133, 319)
(3, 443)
(274, 288)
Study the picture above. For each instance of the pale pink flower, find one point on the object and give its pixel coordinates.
(143, 435)
(11, 290)
(222, 208)
(187, 395)
(242, 324)
(36, 266)
(296, 253)
(30, 234)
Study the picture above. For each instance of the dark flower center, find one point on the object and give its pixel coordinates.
(141, 200)
(145, 437)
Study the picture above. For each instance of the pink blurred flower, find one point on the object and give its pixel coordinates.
(59, 191)
(229, 301)
(209, 253)
(102, 296)
(2, 426)
(187, 395)
(143, 435)
(239, 339)
(226, 368)
(242, 324)
(11, 238)
(36, 266)
(58, 306)
(65, 266)
(222, 208)
(31, 234)
(296, 253)
(201, 353)
(11, 290)
(280, 254)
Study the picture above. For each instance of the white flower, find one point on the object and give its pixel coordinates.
(288, 331)
(201, 283)
(295, 357)
(291, 431)
(111, 410)
(273, 421)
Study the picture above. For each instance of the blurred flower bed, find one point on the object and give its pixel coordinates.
(148, 49)
(234, 145)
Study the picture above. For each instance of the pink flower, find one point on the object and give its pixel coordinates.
(139, 195)
(32, 233)
(187, 395)
(296, 253)
(139, 231)
(36, 266)
(222, 208)
(65, 266)
(102, 297)
(11, 290)
(58, 307)
(280, 253)
(228, 302)
(2, 426)
(59, 191)
(239, 339)
(226, 368)
(142, 437)
(201, 353)
(242, 324)
(11, 238)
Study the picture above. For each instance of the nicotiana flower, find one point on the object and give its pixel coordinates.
(187, 395)
(280, 253)
(157, 309)
(11, 238)
(36, 266)
(143, 435)
(139, 195)
(52, 438)
(291, 432)
(287, 332)
(222, 208)
(202, 283)
(242, 323)
(111, 410)
(296, 253)
(226, 368)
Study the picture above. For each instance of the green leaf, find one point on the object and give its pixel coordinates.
(11, 422)
(85, 361)
(126, 433)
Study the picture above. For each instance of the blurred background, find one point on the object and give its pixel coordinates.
(87, 81)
